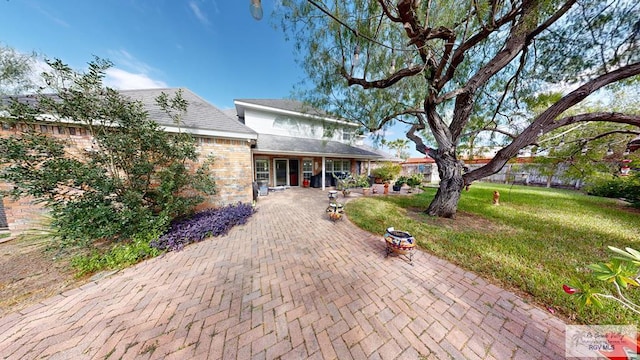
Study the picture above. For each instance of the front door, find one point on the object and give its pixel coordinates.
(281, 172)
(294, 170)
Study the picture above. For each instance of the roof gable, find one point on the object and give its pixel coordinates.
(288, 106)
(280, 104)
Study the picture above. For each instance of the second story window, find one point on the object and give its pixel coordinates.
(346, 135)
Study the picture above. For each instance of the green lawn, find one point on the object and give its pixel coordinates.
(535, 241)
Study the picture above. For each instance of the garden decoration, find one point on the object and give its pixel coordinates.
(335, 211)
(333, 194)
(625, 168)
(400, 243)
(496, 198)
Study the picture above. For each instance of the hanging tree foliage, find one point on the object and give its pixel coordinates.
(460, 72)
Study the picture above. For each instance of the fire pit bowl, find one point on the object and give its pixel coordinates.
(400, 242)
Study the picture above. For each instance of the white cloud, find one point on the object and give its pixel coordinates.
(130, 73)
(123, 80)
(123, 58)
(202, 17)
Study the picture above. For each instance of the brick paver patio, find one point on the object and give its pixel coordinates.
(290, 284)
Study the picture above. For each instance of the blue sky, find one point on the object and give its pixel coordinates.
(212, 47)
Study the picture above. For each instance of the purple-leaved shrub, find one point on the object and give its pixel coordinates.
(203, 224)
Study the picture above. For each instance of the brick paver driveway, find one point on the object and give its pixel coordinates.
(290, 284)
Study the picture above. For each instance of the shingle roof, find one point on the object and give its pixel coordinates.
(286, 144)
(200, 114)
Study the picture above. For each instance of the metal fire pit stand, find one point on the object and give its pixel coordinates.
(400, 243)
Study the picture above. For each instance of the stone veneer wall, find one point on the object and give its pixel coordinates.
(231, 169)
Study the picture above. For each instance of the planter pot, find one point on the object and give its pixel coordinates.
(396, 188)
(365, 191)
(306, 183)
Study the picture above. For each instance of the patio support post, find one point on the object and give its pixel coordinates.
(323, 172)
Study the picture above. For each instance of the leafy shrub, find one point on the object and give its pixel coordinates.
(401, 180)
(117, 257)
(387, 171)
(627, 187)
(210, 222)
(415, 180)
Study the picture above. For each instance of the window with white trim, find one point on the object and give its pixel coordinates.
(338, 165)
(346, 135)
(262, 169)
(307, 169)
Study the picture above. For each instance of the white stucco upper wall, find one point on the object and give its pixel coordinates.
(265, 122)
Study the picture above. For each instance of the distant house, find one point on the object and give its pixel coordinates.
(278, 143)
(422, 165)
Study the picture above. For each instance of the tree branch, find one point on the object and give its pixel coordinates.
(546, 123)
(519, 38)
(620, 118)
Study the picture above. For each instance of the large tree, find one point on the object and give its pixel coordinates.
(459, 72)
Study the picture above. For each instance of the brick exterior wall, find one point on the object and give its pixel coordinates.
(24, 213)
(231, 170)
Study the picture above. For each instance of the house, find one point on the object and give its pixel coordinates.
(297, 144)
(216, 134)
(278, 143)
(421, 165)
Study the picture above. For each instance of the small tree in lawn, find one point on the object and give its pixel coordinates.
(135, 177)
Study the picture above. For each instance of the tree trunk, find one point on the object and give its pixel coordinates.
(445, 203)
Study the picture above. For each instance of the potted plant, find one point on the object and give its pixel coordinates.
(397, 185)
(361, 181)
(344, 184)
(386, 172)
